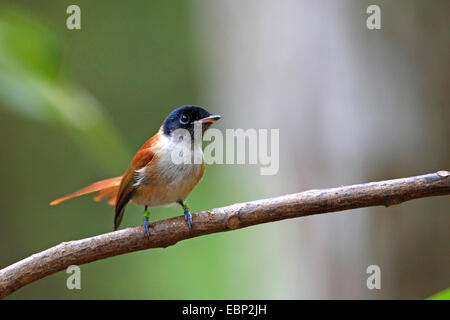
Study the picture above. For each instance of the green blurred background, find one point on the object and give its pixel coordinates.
(352, 105)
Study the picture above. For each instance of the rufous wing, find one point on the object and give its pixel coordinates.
(127, 186)
(126, 191)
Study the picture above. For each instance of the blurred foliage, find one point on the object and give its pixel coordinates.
(33, 85)
(141, 59)
(443, 295)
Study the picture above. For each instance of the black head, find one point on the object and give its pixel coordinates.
(184, 117)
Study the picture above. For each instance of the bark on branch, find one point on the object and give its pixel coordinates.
(168, 232)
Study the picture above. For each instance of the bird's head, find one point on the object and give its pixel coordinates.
(186, 117)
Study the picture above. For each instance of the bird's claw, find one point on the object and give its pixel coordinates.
(188, 217)
(146, 223)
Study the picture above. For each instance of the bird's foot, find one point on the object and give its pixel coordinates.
(188, 216)
(146, 223)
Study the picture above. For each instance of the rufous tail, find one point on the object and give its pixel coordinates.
(107, 188)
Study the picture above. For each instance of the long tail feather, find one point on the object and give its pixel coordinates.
(108, 189)
(110, 194)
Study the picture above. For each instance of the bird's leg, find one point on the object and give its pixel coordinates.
(146, 223)
(187, 214)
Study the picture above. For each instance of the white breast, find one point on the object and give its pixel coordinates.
(172, 153)
(168, 181)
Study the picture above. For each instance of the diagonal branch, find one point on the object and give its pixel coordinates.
(236, 216)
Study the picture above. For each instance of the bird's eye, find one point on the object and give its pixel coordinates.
(184, 119)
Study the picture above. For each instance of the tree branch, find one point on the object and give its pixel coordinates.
(236, 216)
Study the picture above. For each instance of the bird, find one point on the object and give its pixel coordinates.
(156, 176)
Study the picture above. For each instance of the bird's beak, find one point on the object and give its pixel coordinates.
(210, 119)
